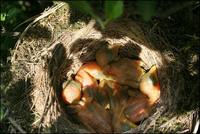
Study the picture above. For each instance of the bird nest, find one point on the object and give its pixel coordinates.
(51, 49)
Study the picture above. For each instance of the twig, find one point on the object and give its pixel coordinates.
(29, 19)
(13, 34)
(168, 122)
(46, 102)
(196, 127)
(14, 123)
(184, 131)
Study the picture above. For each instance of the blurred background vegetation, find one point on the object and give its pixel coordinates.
(14, 13)
(178, 20)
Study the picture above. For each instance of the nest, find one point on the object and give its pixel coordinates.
(51, 49)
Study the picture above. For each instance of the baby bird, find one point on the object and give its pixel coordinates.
(137, 109)
(123, 70)
(71, 92)
(94, 117)
(107, 54)
(86, 79)
(94, 70)
(108, 89)
(117, 103)
(88, 75)
(150, 86)
(126, 71)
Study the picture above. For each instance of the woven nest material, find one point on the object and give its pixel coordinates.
(51, 49)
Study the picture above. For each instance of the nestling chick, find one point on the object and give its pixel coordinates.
(94, 70)
(88, 75)
(137, 109)
(117, 103)
(150, 86)
(71, 92)
(86, 79)
(107, 54)
(126, 71)
(94, 117)
(119, 121)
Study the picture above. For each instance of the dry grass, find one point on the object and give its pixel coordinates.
(51, 49)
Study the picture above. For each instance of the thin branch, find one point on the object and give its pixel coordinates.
(14, 123)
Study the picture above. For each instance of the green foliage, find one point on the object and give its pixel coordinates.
(82, 6)
(146, 9)
(85, 8)
(2, 112)
(2, 16)
(11, 14)
(113, 10)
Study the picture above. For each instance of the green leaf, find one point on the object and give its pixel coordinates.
(86, 8)
(2, 113)
(3, 16)
(14, 14)
(146, 9)
(113, 10)
(82, 6)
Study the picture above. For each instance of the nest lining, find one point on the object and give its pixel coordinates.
(60, 49)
